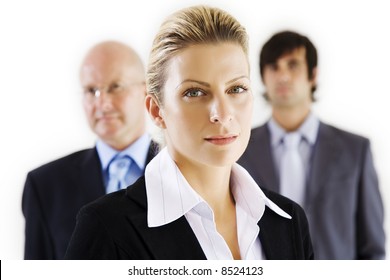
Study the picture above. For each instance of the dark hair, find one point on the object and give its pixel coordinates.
(285, 42)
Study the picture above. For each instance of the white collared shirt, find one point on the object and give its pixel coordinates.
(170, 197)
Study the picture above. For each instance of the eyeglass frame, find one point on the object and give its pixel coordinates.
(114, 89)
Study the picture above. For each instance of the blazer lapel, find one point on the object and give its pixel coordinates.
(170, 242)
(153, 150)
(91, 177)
(326, 152)
(273, 237)
(175, 240)
(260, 158)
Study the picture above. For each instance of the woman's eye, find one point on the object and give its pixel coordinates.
(238, 89)
(193, 93)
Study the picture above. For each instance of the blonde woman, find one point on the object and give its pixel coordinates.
(194, 201)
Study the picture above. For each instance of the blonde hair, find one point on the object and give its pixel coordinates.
(189, 26)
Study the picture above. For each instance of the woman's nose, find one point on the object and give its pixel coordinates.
(220, 110)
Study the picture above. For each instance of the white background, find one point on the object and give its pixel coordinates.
(43, 42)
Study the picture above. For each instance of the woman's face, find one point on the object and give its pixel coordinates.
(207, 105)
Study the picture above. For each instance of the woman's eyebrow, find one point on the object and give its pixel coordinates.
(194, 81)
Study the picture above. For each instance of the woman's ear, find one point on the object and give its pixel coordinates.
(153, 108)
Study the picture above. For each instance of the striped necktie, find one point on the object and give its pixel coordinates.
(117, 170)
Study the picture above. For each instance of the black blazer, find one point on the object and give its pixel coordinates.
(342, 201)
(115, 227)
(53, 195)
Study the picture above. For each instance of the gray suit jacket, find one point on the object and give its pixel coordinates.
(342, 200)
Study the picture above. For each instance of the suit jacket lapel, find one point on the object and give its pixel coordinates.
(260, 155)
(91, 177)
(153, 150)
(325, 154)
(273, 237)
(175, 240)
(170, 242)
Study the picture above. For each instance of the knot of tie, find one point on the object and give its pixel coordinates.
(292, 140)
(117, 170)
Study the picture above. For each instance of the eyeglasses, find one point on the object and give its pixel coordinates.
(92, 93)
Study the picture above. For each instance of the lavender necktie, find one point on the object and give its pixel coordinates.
(292, 171)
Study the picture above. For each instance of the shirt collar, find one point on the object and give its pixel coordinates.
(308, 130)
(249, 195)
(170, 196)
(136, 151)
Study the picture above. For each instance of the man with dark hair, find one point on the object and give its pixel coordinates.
(286, 42)
(328, 171)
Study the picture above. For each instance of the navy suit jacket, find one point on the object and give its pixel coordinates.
(342, 200)
(115, 227)
(53, 195)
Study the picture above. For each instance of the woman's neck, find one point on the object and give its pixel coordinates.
(211, 183)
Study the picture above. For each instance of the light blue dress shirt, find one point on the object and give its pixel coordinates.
(137, 152)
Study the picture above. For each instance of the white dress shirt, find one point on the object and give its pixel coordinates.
(170, 196)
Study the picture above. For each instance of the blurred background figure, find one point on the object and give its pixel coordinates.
(112, 77)
(328, 171)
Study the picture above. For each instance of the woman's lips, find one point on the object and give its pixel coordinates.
(221, 140)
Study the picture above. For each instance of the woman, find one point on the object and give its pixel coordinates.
(195, 202)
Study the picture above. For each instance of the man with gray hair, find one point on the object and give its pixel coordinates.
(112, 77)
